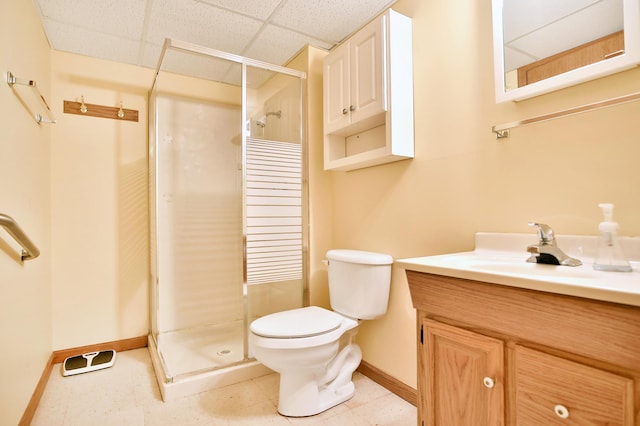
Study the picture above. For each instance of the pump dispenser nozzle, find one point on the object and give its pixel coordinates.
(609, 256)
(608, 228)
(607, 211)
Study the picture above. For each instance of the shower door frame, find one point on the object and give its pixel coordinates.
(244, 62)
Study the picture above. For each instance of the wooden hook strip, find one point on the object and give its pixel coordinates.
(100, 111)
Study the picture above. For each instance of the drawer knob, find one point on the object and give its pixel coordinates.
(561, 411)
(488, 382)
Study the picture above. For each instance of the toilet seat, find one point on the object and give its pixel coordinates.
(297, 323)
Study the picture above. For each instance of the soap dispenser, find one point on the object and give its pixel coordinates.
(609, 255)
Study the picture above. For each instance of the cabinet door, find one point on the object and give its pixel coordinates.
(555, 391)
(368, 71)
(336, 89)
(464, 377)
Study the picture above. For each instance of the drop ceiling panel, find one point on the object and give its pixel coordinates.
(256, 9)
(514, 59)
(133, 31)
(596, 21)
(97, 16)
(201, 66)
(90, 43)
(149, 55)
(276, 45)
(331, 20)
(538, 29)
(200, 23)
(525, 16)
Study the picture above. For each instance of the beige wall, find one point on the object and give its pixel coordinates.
(320, 219)
(99, 209)
(91, 222)
(25, 289)
(98, 204)
(462, 180)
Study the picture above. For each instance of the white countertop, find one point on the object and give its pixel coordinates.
(501, 259)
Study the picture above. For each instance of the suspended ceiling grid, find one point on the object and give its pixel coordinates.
(133, 31)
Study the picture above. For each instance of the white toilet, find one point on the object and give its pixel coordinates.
(313, 348)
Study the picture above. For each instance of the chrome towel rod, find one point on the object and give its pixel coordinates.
(502, 130)
(36, 99)
(29, 250)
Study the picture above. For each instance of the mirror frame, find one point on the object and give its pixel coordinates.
(627, 60)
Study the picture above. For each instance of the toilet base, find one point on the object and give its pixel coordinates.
(303, 393)
(302, 398)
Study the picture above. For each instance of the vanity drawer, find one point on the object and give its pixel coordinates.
(554, 391)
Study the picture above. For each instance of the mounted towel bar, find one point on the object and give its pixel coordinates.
(29, 250)
(32, 99)
(502, 130)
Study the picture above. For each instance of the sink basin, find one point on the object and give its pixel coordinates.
(501, 259)
(521, 268)
(508, 264)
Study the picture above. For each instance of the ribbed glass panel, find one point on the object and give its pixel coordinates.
(199, 214)
(274, 211)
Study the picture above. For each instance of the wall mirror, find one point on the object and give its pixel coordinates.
(545, 45)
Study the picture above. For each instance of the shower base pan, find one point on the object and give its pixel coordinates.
(201, 348)
(208, 380)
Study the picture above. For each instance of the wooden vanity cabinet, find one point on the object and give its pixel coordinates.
(455, 358)
(497, 355)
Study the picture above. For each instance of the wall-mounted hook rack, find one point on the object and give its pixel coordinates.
(93, 110)
(31, 98)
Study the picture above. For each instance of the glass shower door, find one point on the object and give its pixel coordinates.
(201, 200)
(199, 322)
(228, 204)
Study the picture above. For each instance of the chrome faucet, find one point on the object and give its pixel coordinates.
(547, 251)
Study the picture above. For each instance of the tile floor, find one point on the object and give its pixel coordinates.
(127, 394)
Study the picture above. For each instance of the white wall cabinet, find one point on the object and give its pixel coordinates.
(354, 75)
(368, 96)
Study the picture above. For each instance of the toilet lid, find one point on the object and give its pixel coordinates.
(302, 322)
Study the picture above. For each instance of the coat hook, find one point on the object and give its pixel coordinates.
(83, 107)
(121, 111)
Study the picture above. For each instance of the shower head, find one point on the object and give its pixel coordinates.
(262, 121)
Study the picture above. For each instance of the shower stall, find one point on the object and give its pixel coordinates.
(228, 211)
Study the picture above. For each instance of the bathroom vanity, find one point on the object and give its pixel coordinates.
(504, 342)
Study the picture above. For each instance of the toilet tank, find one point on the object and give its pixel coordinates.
(359, 283)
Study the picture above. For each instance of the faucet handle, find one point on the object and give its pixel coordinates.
(545, 233)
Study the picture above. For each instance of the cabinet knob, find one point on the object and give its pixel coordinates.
(488, 382)
(344, 111)
(561, 411)
(352, 108)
